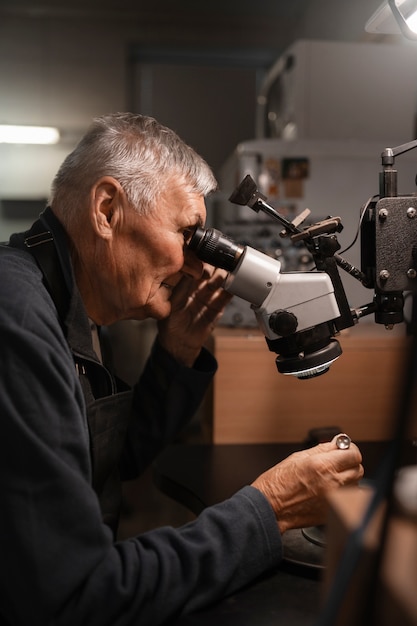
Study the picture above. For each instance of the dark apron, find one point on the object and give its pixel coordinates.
(107, 421)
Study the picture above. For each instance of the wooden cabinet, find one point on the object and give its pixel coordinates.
(253, 403)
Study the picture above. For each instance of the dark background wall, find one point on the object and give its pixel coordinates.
(196, 66)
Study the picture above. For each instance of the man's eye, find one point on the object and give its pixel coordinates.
(188, 233)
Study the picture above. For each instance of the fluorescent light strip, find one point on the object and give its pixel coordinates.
(28, 134)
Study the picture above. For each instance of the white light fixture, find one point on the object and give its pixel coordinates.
(28, 134)
(395, 17)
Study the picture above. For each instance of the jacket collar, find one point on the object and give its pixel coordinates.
(76, 323)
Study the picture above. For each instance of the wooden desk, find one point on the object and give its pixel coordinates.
(253, 403)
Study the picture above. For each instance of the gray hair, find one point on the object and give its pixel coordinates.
(136, 150)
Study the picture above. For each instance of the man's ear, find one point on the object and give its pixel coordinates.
(105, 200)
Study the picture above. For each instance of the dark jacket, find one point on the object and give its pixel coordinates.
(68, 430)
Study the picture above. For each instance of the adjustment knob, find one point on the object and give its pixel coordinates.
(283, 323)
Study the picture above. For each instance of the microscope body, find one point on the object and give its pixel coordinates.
(283, 303)
(298, 312)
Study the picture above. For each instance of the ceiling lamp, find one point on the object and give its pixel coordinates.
(28, 134)
(395, 17)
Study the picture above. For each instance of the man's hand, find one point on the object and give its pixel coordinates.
(296, 488)
(196, 307)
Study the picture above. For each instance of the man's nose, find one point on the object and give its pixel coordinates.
(192, 265)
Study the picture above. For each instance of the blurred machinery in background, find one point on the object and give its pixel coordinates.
(326, 111)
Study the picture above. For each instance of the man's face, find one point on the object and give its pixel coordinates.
(149, 255)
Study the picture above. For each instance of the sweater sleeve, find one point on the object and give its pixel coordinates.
(59, 564)
(60, 559)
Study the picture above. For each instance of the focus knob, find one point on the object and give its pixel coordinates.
(283, 323)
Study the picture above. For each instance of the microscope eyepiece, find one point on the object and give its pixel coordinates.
(211, 246)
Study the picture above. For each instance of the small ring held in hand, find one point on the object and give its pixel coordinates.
(343, 441)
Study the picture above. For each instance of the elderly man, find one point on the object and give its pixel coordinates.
(112, 245)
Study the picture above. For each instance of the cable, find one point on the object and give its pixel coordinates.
(364, 209)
